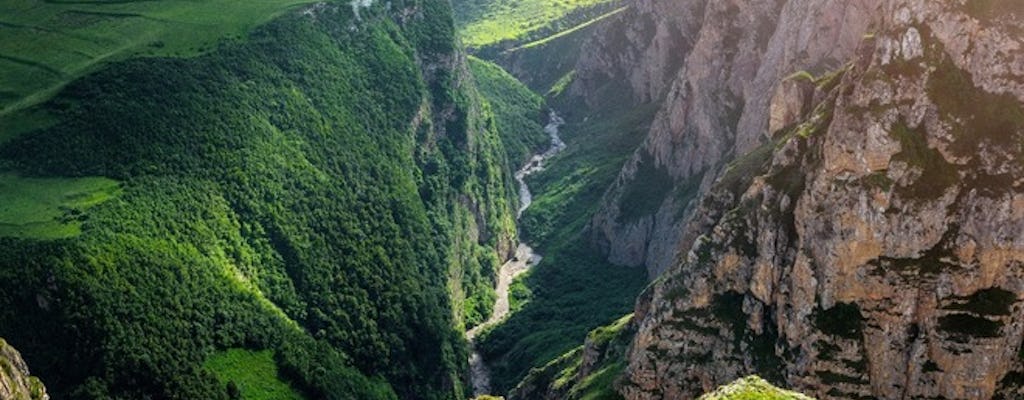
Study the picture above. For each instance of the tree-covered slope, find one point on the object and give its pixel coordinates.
(330, 188)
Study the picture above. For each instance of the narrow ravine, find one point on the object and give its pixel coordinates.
(524, 259)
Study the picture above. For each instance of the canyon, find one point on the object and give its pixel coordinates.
(350, 200)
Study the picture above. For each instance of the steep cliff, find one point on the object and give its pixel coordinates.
(15, 381)
(873, 246)
(713, 67)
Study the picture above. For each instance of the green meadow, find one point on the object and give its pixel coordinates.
(253, 374)
(488, 22)
(48, 43)
(49, 208)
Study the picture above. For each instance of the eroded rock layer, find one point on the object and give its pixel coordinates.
(715, 65)
(873, 245)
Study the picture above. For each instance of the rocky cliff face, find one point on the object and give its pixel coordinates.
(715, 66)
(873, 247)
(15, 382)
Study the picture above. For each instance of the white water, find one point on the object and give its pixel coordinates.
(524, 259)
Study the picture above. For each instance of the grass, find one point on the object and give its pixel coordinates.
(46, 44)
(485, 22)
(569, 191)
(752, 388)
(253, 373)
(517, 111)
(598, 385)
(569, 31)
(561, 376)
(49, 208)
(561, 84)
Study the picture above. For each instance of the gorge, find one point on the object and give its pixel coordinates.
(299, 199)
(522, 260)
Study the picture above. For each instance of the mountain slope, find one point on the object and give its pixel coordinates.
(330, 188)
(872, 249)
(713, 72)
(50, 43)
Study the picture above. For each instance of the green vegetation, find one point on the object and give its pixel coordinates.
(518, 294)
(293, 192)
(10, 372)
(598, 385)
(752, 388)
(49, 208)
(488, 22)
(569, 191)
(612, 341)
(517, 110)
(561, 84)
(50, 43)
(570, 31)
(644, 195)
(562, 375)
(801, 76)
(252, 374)
(573, 290)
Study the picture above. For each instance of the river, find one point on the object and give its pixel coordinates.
(524, 258)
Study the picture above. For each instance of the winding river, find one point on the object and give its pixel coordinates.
(524, 258)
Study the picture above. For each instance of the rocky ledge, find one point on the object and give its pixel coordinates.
(15, 381)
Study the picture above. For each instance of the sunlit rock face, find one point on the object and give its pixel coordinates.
(872, 243)
(15, 382)
(715, 67)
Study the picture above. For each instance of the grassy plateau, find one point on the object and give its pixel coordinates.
(46, 44)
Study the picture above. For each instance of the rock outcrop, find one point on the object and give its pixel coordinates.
(873, 246)
(15, 381)
(752, 387)
(715, 65)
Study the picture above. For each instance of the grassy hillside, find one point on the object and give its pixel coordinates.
(49, 43)
(485, 23)
(518, 112)
(250, 375)
(49, 208)
(560, 378)
(305, 191)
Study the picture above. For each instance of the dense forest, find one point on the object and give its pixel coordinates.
(328, 198)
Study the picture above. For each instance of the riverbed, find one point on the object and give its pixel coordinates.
(524, 258)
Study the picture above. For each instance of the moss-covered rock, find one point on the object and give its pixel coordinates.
(752, 388)
(15, 382)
